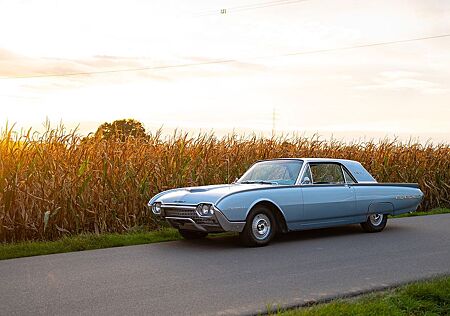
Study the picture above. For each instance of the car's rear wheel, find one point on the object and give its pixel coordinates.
(259, 228)
(192, 234)
(375, 223)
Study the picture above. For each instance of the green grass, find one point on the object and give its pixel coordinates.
(432, 212)
(85, 242)
(420, 298)
(92, 241)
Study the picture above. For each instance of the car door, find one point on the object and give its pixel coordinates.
(327, 198)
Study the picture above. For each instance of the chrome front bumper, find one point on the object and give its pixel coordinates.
(185, 217)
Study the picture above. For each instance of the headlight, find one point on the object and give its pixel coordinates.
(205, 210)
(156, 208)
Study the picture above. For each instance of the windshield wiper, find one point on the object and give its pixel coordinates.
(258, 182)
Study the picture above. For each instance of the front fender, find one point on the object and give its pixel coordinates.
(160, 194)
(236, 207)
(264, 200)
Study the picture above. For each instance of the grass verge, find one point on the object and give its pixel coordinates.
(432, 212)
(91, 241)
(85, 242)
(430, 297)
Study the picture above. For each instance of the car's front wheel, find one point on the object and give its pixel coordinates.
(375, 223)
(192, 234)
(259, 228)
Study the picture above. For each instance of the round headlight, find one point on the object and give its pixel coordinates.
(205, 209)
(156, 208)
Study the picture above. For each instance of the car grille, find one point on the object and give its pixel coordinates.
(176, 212)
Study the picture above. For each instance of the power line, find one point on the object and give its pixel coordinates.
(225, 61)
(122, 70)
(253, 5)
(368, 45)
(248, 7)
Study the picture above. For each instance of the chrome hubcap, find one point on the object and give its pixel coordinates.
(376, 219)
(261, 226)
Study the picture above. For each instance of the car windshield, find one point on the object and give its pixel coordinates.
(273, 172)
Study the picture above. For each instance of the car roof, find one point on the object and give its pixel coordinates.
(311, 159)
(356, 168)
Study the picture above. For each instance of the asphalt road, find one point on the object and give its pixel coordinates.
(217, 276)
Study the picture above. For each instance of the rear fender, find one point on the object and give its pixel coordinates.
(381, 207)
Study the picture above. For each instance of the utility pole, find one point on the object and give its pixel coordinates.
(274, 118)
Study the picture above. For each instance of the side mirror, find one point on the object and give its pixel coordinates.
(235, 180)
(306, 180)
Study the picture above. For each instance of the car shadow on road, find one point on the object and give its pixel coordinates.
(232, 240)
(319, 233)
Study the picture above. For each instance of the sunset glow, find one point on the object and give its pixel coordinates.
(399, 89)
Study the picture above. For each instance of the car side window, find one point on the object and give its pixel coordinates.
(348, 178)
(307, 178)
(326, 173)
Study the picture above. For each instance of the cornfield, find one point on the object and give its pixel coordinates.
(58, 183)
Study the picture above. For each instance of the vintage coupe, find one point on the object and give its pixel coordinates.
(283, 195)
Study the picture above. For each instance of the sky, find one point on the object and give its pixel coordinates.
(275, 78)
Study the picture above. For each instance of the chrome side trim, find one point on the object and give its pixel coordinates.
(408, 197)
(226, 224)
(187, 219)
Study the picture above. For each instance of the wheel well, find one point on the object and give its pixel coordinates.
(276, 211)
(381, 207)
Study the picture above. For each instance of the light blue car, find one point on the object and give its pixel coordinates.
(283, 195)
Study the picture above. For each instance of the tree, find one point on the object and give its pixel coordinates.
(121, 130)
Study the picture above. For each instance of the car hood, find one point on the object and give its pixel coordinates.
(203, 194)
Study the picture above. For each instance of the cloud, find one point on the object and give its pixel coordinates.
(15, 65)
(6, 54)
(240, 65)
(399, 80)
(398, 74)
